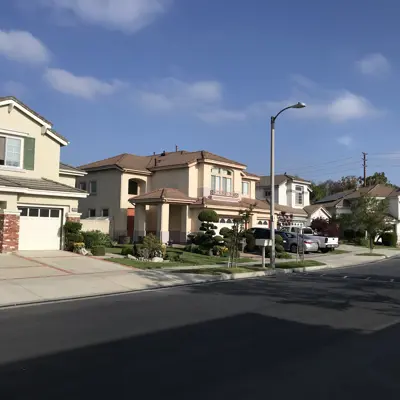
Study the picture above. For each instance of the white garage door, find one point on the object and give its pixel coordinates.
(40, 228)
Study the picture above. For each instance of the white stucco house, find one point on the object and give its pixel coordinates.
(292, 196)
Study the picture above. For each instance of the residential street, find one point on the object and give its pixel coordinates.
(298, 336)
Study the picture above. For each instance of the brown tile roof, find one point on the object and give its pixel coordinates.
(375, 191)
(5, 98)
(148, 163)
(163, 194)
(37, 184)
(67, 167)
(279, 179)
(242, 204)
(246, 173)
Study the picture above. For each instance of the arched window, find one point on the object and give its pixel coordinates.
(222, 221)
(221, 180)
(133, 187)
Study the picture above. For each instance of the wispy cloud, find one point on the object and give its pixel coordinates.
(22, 46)
(172, 94)
(374, 64)
(86, 87)
(345, 140)
(124, 15)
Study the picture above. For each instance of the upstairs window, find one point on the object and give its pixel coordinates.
(245, 188)
(299, 195)
(91, 212)
(93, 187)
(267, 193)
(10, 152)
(82, 186)
(221, 180)
(133, 187)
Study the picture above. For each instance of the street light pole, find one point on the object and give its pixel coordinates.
(272, 180)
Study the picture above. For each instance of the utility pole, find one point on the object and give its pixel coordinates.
(364, 159)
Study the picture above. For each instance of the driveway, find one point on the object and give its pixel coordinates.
(42, 264)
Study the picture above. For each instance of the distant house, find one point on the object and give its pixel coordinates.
(292, 196)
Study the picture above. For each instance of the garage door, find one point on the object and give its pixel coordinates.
(40, 228)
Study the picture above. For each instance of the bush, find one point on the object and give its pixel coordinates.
(96, 238)
(389, 239)
(192, 248)
(225, 232)
(364, 242)
(72, 227)
(221, 251)
(208, 216)
(99, 251)
(153, 246)
(283, 255)
(218, 239)
(173, 256)
(279, 248)
(72, 234)
(127, 250)
(250, 242)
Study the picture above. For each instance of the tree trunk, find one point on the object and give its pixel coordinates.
(371, 243)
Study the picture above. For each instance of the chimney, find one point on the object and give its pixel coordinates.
(154, 153)
(176, 147)
(163, 153)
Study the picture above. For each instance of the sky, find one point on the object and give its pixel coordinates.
(143, 76)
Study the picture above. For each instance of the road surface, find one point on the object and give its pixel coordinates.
(290, 337)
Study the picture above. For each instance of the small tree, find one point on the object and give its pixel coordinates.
(246, 215)
(371, 215)
(208, 219)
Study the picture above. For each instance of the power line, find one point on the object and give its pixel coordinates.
(309, 170)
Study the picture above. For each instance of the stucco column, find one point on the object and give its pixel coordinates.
(253, 221)
(163, 222)
(184, 223)
(73, 217)
(9, 231)
(139, 229)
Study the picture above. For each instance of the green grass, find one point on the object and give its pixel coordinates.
(187, 260)
(113, 250)
(218, 270)
(300, 264)
(370, 254)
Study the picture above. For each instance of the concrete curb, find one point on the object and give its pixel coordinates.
(206, 279)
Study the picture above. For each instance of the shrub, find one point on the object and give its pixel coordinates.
(72, 227)
(279, 248)
(389, 239)
(208, 216)
(99, 251)
(153, 246)
(192, 248)
(96, 238)
(72, 234)
(225, 232)
(364, 242)
(173, 256)
(250, 242)
(283, 255)
(127, 250)
(218, 239)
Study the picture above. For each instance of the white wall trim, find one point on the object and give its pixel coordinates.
(56, 138)
(45, 193)
(9, 212)
(72, 173)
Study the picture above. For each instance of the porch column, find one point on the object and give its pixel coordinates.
(253, 221)
(184, 224)
(163, 222)
(139, 229)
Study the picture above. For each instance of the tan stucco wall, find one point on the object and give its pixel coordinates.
(10, 200)
(108, 196)
(195, 176)
(67, 180)
(47, 151)
(173, 178)
(66, 203)
(142, 181)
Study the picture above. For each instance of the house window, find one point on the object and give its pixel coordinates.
(92, 212)
(221, 180)
(245, 188)
(133, 187)
(93, 187)
(82, 186)
(10, 152)
(104, 212)
(267, 193)
(299, 195)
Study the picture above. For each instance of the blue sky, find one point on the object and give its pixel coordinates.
(141, 76)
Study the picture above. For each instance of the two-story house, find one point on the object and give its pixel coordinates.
(164, 193)
(292, 196)
(37, 192)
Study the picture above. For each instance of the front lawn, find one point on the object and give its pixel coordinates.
(113, 250)
(370, 254)
(187, 260)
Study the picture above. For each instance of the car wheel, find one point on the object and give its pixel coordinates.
(293, 248)
(324, 251)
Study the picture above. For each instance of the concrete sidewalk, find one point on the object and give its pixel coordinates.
(117, 279)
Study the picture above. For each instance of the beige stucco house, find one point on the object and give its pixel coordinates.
(164, 193)
(292, 196)
(37, 191)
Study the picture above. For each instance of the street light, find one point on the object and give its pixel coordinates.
(272, 173)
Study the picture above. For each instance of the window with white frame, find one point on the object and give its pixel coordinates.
(93, 187)
(245, 188)
(221, 180)
(10, 151)
(299, 192)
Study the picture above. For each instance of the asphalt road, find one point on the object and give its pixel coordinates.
(290, 337)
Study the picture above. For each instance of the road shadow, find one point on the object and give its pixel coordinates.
(238, 356)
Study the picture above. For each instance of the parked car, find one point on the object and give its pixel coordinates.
(290, 240)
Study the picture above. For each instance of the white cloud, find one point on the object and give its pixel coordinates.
(85, 87)
(125, 15)
(171, 94)
(13, 88)
(374, 64)
(22, 46)
(345, 140)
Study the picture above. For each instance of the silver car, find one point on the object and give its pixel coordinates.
(310, 245)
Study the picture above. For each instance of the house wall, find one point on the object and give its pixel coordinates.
(108, 196)
(143, 183)
(60, 202)
(47, 151)
(394, 207)
(8, 201)
(67, 180)
(291, 195)
(172, 178)
(205, 182)
(102, 225)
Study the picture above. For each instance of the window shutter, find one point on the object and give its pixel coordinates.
(29, 154)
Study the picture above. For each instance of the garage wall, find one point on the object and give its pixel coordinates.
(66, 203)
(8, 201)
